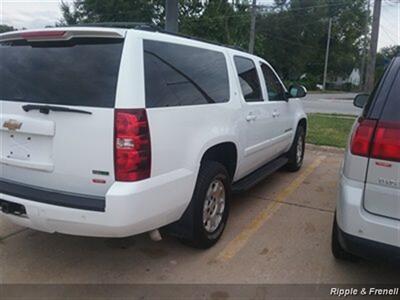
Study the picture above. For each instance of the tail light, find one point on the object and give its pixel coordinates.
(362, 138)
(377, 140)
(43, 35)
(132, 148)
(387, 141)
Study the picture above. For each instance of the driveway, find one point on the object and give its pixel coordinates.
(278, 232)
(340, 103)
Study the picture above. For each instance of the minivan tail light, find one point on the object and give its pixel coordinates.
(132, 148)
(387, 141)
(361, 140)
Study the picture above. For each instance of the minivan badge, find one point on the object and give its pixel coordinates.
(12, 125)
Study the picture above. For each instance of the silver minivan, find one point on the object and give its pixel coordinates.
(367, 220)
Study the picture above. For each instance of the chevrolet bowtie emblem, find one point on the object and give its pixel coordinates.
(12, 125)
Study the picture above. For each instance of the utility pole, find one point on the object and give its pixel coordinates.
(365, 50)
(171, 16)
(253, 26)
(328, 44)
(370, 76)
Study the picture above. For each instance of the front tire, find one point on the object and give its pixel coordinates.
(210, 201)
(296, 152)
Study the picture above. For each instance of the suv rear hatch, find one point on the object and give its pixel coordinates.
(382, 190)
(57, 96)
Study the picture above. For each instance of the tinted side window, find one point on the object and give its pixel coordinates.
(391, 111)
(377, 101)
(275, 90)
(248, 77)
(181, 75)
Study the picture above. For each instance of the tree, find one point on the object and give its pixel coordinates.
(384, 57)
(293, 36)
(6, 28)
(218, 21)
(97, 11)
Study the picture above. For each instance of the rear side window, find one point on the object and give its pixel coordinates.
(80, 71)
(391, 111)
(248, 77)
(178, 75)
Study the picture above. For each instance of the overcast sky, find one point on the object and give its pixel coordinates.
(39, 13)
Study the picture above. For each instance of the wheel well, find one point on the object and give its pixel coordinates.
(224, 153)
(303, 123)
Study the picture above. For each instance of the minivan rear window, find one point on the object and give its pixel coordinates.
(391, 111)
(81, 71)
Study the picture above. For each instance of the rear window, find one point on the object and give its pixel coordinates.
(80, 71)
(178, 75)
(391, 111)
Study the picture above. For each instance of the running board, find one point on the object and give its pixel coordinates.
(258, 175)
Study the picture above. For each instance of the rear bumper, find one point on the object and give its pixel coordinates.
(130, 208)
(361, 232)
(368, 249)
(52, 197)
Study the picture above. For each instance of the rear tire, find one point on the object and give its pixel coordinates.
(337, 250)
(296, 152)
(210, 201)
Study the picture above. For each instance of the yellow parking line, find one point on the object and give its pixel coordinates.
(240, 240)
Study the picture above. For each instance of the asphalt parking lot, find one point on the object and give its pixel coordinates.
(278, 232)
(340, 103)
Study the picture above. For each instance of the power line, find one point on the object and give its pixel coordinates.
(290, 41)
(338, 3)
(389, 35)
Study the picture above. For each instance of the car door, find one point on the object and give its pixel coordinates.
(280, 108)
(256, 117)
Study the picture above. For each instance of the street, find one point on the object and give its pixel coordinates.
(278, 232)
(340, 103)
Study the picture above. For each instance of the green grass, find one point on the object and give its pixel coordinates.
(329, 130)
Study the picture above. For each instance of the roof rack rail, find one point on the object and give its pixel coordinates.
(126, 25)
(154, 28)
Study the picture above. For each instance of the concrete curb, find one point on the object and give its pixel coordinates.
(329, 149)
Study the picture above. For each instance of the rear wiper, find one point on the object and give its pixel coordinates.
(45, 109)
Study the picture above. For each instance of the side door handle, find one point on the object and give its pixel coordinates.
(251, 117)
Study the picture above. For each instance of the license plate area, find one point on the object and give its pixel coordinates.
(26, 150)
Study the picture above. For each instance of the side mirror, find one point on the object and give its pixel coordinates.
(360, 100)
(297, 91)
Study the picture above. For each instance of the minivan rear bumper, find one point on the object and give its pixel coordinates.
(361, 229)
(368, 249)
(130, 208)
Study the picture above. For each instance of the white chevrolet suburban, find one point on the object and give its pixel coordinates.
(113, 132)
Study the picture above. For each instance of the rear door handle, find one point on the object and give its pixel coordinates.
(251, 117)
